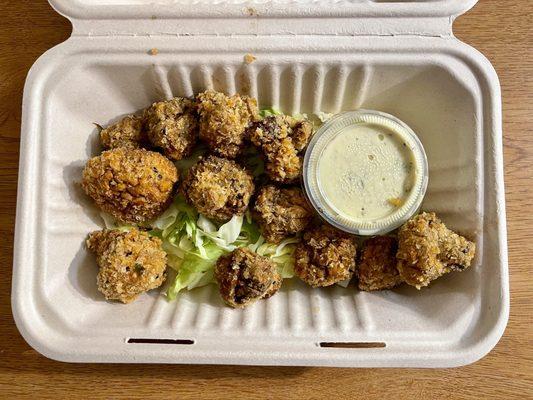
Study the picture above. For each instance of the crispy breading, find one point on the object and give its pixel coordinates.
(244, 277)
(218, 188)
(281, 139)
(325, 256)
(128, 132)
(172, 126)
(224, 119)
(133, 185)
(376, 269)
(130, 263)
(281, 212)
(427, 249)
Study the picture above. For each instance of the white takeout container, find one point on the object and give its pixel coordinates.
(396, 57)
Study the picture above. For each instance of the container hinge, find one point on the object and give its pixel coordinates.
(258, 26)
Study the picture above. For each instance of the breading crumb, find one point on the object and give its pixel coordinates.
(252, 12)
(248, 58)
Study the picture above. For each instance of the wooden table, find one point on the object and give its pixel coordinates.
(502, 30)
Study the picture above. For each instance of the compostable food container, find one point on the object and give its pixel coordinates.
(396, 57)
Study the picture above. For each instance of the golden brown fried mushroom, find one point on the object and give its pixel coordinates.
(172, 126)
(218, 188)
(128, 132)
(376, 269)
(427, 249)
(281, 139)
(244, 277)
(281, 212)
(325, 256)
(224, 119)
(130, 263)
(133, 185)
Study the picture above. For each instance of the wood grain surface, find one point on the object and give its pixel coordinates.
(502, 30)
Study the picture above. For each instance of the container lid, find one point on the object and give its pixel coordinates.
(229, 17)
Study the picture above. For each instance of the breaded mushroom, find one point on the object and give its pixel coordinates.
(325, 256)
(218, 188)
(244, 277)
(130, 263)
(128, 132)
(281, 139)
(133, 185)
(281, 212)
(376, 269)
(172, 126)
(224, 119)
(427, 249)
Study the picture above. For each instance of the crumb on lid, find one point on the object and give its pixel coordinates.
(248, 58)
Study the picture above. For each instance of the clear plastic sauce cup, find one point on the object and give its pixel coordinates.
(365, 172)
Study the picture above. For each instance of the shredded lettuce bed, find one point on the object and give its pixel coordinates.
(193, 243)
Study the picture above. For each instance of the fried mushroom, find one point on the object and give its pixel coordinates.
(172, 126)
(128, 132)
(427, 249)
(224, 119)
(218, 188)
(281, 139)
(244, 277)
(325, 256)
(133, 185)
(130, 263)
(281, 212)
(376, 269)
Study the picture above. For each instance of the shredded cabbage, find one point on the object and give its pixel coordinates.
(184, 164)
(254, 161)
(324, 116)
(282, 254)
(267, 112)
(111, 223)
(194, 243)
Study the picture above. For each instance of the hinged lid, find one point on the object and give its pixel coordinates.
(260, 17)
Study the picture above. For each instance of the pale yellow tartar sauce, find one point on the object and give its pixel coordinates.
(366, 172)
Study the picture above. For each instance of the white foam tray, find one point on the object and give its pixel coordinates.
(406, 63)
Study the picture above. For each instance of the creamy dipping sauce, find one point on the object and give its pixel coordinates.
(366, 172)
